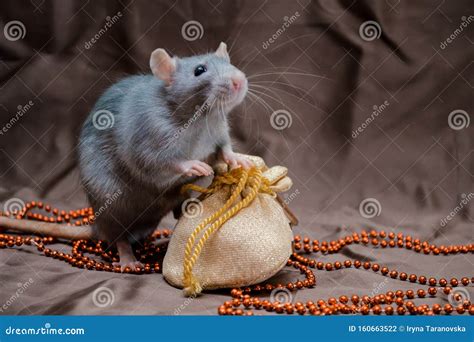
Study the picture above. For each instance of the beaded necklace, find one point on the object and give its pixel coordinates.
(244, 300)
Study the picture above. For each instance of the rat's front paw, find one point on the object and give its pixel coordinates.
(195, 168)
(234, 160)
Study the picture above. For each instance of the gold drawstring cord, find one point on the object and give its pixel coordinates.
(251, 179)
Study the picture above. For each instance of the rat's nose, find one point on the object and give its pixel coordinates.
(237, 81)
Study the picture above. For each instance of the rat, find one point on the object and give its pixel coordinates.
(161, 131)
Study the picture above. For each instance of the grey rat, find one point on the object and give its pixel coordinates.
(160, 132)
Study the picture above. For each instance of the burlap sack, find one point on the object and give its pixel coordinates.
(248, 248)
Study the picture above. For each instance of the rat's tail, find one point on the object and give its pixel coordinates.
(61, 231)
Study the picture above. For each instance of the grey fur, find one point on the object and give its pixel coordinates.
(155, 127)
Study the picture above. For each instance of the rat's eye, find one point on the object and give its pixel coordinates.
(200, 69)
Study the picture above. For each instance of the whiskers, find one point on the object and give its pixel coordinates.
(286, 72)
(269, 86)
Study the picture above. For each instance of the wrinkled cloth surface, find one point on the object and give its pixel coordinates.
(363, 102)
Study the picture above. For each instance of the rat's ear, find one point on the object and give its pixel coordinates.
(222, 51)
(162, 65)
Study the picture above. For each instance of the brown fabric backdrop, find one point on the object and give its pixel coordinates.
(319, 69)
